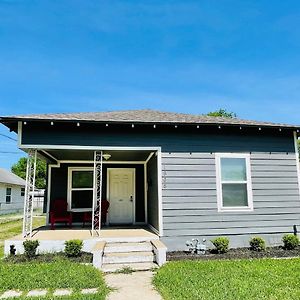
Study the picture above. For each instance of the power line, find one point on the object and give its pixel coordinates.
(10, 152)
(9, 137)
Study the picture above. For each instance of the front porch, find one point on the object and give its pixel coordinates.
(53, 240)
(85, 180)
(113, 249)
(125, 181)
(107, 234)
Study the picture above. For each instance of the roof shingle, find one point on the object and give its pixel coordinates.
(143, 116)
(10, 178)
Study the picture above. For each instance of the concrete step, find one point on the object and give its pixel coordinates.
(127, 247)
(129, 239)
(128, 257)
(145, 266)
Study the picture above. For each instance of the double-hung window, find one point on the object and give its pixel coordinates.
(8, 195)
(22, 192)
(80, 194)
(234, 189)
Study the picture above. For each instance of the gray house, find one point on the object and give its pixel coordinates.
(182, 176)
(12, 191)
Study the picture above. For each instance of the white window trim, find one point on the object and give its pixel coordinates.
(221, 208)
(70, 189)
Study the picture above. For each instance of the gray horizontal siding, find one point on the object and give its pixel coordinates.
(222, 230)
(257, 211)
(190, 197)
(228, 218)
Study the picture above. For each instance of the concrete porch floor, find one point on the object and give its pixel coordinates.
(54, 240)
(107, 233)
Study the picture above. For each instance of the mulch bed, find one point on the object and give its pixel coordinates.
(239, 253)
(85, 257)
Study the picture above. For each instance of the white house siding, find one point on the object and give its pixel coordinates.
(17, 201)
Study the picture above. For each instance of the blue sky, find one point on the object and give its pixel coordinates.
(183, 56)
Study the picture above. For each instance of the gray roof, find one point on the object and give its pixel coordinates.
(10, 178)
(143, 116)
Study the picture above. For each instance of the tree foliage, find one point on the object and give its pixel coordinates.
(222, 113)
(19, 169)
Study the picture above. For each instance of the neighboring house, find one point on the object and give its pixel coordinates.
(185, 176)
(12, 190)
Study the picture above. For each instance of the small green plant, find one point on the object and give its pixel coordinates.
(125, 270)
(290, 241)
(257, 244)
(73, 248)
(30, 247)
(221, 244)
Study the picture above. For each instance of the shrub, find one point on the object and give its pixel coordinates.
(30, 247)
(290, 241)
(257, 244)
(221, 244)
(73, 248)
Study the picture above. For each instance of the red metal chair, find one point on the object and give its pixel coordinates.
(87, 216)
(60, 213)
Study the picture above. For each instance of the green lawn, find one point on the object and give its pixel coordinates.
(12, 225)
(58, 274)
(268, 279)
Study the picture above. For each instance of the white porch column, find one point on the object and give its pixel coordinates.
(97, 195)
(29, 193)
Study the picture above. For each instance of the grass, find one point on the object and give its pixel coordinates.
(12, 225)
(61, 273)
(268, 279)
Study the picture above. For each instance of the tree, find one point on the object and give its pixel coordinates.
(222, 113)
(40, 174)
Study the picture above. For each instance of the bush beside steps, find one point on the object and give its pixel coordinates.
(73, 251)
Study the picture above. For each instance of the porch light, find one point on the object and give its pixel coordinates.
(106, 156)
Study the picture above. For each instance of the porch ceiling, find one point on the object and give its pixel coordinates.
(88, 155)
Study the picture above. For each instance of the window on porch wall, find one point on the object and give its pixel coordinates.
(81, 189)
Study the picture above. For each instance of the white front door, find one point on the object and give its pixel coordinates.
(121, 195)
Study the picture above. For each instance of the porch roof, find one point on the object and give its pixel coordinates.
(68, 155)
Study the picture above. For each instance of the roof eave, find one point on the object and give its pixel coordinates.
(15, 120)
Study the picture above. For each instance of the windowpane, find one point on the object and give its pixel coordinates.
(8, 191)
(233, 169)
(82, 179)
(234, 194)
(8, 199)
(82, 199)
(22, 192)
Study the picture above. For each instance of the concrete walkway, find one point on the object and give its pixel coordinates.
(134, 286)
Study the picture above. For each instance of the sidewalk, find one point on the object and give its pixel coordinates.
(134, 286)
